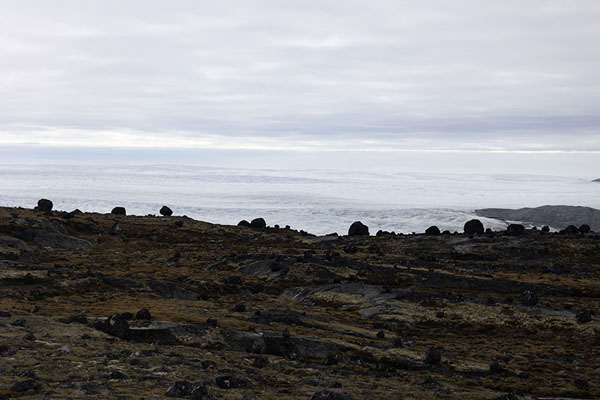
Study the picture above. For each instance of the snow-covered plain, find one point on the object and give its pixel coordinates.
(318, 201)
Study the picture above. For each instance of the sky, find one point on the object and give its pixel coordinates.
(505, 84)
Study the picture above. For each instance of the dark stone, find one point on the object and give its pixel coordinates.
(439, 314)
(5, 314)
(432, 355)
(185, 389)
(119, 211)
(496, 368)
(127, 315)
(24, 386)
(585, 228)
(529, 298)
(44, 205)
(374, 249)
(332, 359)
(584, 316)
(570, 230)
(208, 364)
(113, 375)
(212, 322)
(515, 230)
(545, 229)
(239, 308)
(143, 314)
(178, 224)
(35, 309)
(235, 280)
(258, 223)
(260, 362)
(474, 227)
(116, 325)
(381, 335)
(166, 211)
(19, 322)
(329, 395)
(350, 249)
(244, 223)
(231, 382)
(432, 231)
(29, 337)
(581, 384)
(79, 319)
(358, 229)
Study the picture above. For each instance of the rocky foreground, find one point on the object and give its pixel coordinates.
(116, 306)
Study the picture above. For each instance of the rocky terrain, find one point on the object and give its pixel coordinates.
(129, 307)
(557, 217)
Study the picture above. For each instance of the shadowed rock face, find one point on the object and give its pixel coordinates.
(557, 217)
(149, 308)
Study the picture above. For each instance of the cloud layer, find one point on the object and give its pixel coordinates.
(324, 75)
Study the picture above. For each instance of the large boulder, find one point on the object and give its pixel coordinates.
(44, 205)
(357, 229)
(585, 228)
(258, 223)
(432, 231)
(119, 211)
(515, 230)
(529, 298)
(570, 230)
(474, 227)
(432, 355)
(166, 211)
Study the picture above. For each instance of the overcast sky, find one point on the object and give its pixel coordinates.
(436, 76)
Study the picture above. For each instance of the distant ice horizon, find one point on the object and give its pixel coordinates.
(319, 201)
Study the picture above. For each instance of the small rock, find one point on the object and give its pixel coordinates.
(439, 314)
(119, 211)
(29, 337)
(143, 314)
(529, 298)
(44, 205)
(260, 362)
(258, 223)
(496, 368)
(432, 355)
(239, 308)
(585, 229)
(24, 386)
(231, 382)
(330, 395)
(515, 230)
(66, 350)
(581, 384)
(166, 211)
(358, 229)
(545, 229)
(584, 316)
(432, 231)
(244, 223)
(473, 227)
(381, 335)
(35, 309)
(208, 364)
(19, 322)
(113, 375)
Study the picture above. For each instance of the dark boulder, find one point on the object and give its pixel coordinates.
(474, 227)
(185, 389)
(24, 386)
(44, 205)
(529, 298)
(244, 223)
(231, 382)
(258, 223)
(166, 211)
(585, 228)
(116, 325)
(432, 231)
(584, 316)
(515, 230)
(143, 314)
(545, 229)
(496, 368)
(119, 211)
(330, 395)
(432, 355)
(570, 230)
(358, 229)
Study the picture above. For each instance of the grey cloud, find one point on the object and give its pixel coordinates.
(434, 73)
